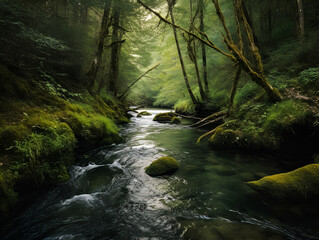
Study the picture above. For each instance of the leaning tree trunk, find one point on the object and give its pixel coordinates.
(301, 21)
(234, 89)
(256, 70)
(104, 31)
(116, 44)
(181, 59)
(204, 58)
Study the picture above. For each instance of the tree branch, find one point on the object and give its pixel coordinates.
(151, 69)
(207, 42)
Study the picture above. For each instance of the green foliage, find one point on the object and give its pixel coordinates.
(11, 133)
(45, 154)
(247, 92)
(185, 107)
(162, 166)
(285, 115)
(309, 79)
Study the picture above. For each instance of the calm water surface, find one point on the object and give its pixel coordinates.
(109, 195)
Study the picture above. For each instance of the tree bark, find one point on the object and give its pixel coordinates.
(234, 89)
(115, 51)
(204, 58)
(301, 21)
(191, 47)
(195, 102)
(104, 31)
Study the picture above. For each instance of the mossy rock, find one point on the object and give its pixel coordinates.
(162, 166)
(175, 120)
(164, 117)
(298, 185)
(144, 113)
(225, 138)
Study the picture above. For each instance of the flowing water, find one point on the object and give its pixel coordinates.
(109, 195)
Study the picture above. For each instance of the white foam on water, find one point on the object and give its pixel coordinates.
(78, 171)
(115, 165)
(88, 199)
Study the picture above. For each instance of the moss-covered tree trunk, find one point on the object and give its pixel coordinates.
(194, 100)
(255, 69)
(234, 89)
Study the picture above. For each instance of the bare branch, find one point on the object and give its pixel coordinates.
(208, 43)
(129, 87)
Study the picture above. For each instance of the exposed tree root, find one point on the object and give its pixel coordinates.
(210, 117)
(210, 132)
(211, 122)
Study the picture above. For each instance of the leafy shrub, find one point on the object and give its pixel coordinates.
(283, 116)
(310, 78)
(185, 107)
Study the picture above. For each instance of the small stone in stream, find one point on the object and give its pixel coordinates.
(143, 113)
(162, 166)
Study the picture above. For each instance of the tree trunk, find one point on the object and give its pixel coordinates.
(195, 102)
(192, 53)
(301, 21)
(104, 31)
(234, 89)
(204, 58)
(115, 51)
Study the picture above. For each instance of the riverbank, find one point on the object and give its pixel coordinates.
(42, 127)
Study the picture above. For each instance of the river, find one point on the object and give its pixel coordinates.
(109, 195)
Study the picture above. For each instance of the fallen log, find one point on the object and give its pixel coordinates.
(211, 122)
(187, 117)
(210, 132)
(223, 112)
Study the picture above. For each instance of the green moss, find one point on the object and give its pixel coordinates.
(11, 133)
(224, 136)
(164, 117)
(144, 113)
(283, 116)
(44, 154)
(91, 128)
(185, 107)
(300, 184)
(175, 120)
(162, 166)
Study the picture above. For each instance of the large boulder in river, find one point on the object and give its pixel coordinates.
(164, 117)
(162, 166)
(144, 113)
(168, 117)
(298, 185)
